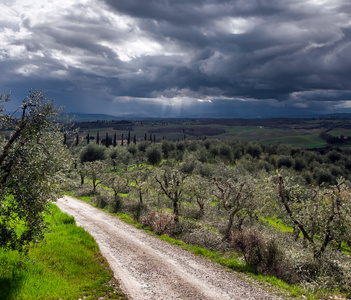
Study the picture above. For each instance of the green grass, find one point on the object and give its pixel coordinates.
(277, 224)
(340, 131)
(67, 265)
(305, 141)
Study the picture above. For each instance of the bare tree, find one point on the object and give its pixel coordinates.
(198, 189)
(139, 181)
(234, 196)
(321, 214)
(171, 182)
(95, 170)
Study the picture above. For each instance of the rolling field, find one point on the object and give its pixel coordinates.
(304, 141)
(304, 135)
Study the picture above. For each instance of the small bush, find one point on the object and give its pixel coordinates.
(205, 238)
(159, 223)
(137, 210)
(84, 191)
(154, 155)
(116, 204)
(285, 161)
(324, 176)
(331, 271)
(101, 201)
(92, 152)
(262, 254)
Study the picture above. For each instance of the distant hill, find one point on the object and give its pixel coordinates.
(339, 116)
(83, 117)
(80, 117)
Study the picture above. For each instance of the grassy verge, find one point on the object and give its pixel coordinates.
(67, 265)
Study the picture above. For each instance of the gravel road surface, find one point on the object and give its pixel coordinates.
(148, 268)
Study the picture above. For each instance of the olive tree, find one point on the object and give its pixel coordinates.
(322, 215)
(198, 190)
(95, 171)
(171, 182)
(32, 161)
(138, 179)
(236, 194)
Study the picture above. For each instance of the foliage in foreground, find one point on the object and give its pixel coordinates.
(31, 161)
(67, 265)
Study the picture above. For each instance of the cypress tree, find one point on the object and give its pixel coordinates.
(122, 140)
(77, 139)
(97, 138)
(115, 140)
(134, 139)
(128, 141)
(106, 141)
(88, 138)
(145, 136)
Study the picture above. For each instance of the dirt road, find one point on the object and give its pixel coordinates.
(149, 268)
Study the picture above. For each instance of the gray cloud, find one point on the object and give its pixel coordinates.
(167, 56)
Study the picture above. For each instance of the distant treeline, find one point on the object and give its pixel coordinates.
(331, 139)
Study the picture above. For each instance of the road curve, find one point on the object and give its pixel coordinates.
(148, 268)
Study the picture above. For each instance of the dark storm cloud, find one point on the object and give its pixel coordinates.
(166, 56)
(289, 47)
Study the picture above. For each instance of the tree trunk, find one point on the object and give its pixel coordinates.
(140, 197)
(176, 210)
(202, 208)
(82, 176)
(230, 224)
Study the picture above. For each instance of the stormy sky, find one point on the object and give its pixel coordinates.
(180, 58)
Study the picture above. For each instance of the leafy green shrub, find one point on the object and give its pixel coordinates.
(202, 155)
(322, 175)
(285, 161)
(116, 204)
(299, 164)
(334, 156)
(154, 155)
(92, 152)
(180, 146)
(167, 147)
(137, 210)
(214, 151)
(254, 150)
(226, 153)
(132, 149)
(192, 146)
(307, 177)
(101, 200)
(264, 165)
(189, 164)
(142, 146)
